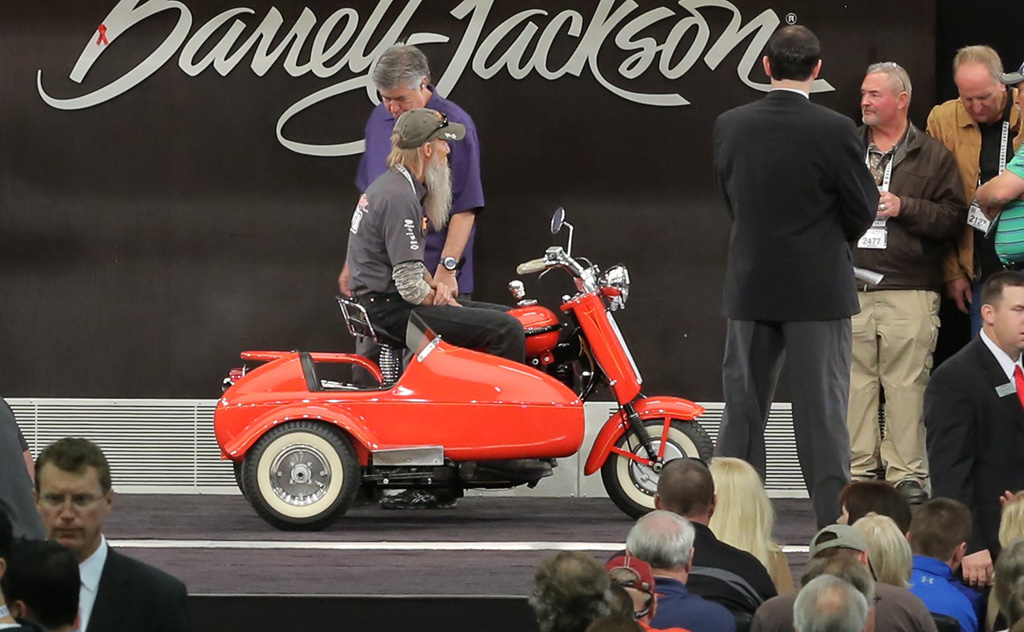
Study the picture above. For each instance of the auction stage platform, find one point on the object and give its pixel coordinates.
(470, 567)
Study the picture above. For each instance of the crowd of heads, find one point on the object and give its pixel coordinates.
(839, 589)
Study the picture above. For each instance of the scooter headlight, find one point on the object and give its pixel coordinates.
(615, 286)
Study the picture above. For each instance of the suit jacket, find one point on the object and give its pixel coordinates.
(797, 188)
(975, 438)
(135, 597)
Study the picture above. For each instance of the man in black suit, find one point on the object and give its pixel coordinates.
(118, 594)
(797, 188)
(974, 420)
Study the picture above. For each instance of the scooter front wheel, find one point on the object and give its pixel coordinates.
(301, 475)
(631, 484)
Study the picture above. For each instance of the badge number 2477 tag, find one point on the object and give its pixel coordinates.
(874, 239)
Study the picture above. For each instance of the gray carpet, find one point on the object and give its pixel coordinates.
(406, 572)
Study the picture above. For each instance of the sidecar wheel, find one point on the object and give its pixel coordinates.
(631, 485)
(301, 476)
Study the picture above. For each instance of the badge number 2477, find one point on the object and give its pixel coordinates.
(874, 239)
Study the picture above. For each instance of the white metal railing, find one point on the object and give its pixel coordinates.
(167, 446)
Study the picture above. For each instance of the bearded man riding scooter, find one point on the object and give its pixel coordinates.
(390, 281)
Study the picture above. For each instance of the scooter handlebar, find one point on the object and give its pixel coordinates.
(534, 265)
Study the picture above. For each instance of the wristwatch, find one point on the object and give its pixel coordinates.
(450, 263)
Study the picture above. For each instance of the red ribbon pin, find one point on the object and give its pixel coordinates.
(102, 39)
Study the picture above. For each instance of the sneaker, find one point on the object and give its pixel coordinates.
(912, 491)
(418, 499)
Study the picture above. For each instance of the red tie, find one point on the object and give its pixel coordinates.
(1018, 378)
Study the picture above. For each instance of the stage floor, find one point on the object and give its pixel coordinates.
(218, 545)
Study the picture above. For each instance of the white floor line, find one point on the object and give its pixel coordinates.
(796, 549)
(382, 546)
(367, 546)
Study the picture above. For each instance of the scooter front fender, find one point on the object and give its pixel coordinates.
(647, 408)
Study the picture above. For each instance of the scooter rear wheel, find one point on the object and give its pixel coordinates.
(632, 485)
(301, 475)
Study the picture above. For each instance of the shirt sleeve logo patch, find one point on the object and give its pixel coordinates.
(410, 232)
(357, 216)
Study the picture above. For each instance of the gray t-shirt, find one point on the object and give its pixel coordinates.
(388, 227)
(16, 498)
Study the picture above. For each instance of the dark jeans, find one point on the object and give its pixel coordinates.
(475, 325)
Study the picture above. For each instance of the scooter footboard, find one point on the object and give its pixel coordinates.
(648, 408)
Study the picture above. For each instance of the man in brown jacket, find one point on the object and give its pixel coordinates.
(972, 127)
(920, 211)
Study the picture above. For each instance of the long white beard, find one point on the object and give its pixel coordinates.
(438, 203)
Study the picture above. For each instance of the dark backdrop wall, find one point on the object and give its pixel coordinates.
(964, 23)
(170, 196)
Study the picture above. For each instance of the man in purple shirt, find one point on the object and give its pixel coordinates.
(402, 78)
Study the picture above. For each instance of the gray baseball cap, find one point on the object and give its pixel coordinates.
(837, 536)
(422, 125)
(1013, 78)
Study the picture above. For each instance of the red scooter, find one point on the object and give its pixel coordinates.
(305, 446)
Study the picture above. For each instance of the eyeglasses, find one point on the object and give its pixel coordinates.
(899, 74)
(78, 501)
(443, 123)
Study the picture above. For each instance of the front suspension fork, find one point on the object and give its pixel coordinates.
(638, 427)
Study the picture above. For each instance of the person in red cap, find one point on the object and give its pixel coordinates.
(636, 576)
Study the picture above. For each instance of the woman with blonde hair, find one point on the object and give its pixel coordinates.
(1011, 521)
(1009, 580)
(1011, 527)
(744, 517)
(888, 549)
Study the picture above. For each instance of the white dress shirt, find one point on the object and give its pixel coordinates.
(4, 613)
(1005, 363)
(90, 571)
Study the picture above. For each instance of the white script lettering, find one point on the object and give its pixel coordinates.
(340, 44)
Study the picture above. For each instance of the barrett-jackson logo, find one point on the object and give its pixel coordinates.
(334, 46)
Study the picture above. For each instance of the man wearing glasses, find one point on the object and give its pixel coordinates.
(74, 495)
(921, 208)
(402, 78)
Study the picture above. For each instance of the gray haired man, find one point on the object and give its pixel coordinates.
(829, 604)
(920, 211)
(402, 78)
(836, 550)
(665, 541)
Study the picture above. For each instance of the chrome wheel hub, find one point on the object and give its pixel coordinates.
(300, 475)
(646, 477)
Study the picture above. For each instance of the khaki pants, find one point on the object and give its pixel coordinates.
(893, 339)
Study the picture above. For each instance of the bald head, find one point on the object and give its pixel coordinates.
(829, 604)
(685, 487)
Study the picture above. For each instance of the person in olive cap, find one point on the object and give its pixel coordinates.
(832, 549)
(386, 244)
(389, 279)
